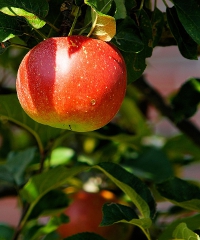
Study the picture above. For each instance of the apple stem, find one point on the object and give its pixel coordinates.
(74, 22)
(93, 26)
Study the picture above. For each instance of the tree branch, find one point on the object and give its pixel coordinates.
(155, 98)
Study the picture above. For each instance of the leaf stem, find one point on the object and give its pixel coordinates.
(146, 232)
(20, 225)
(52, 26)
(19, 46)
(93, 24)
(141, 5)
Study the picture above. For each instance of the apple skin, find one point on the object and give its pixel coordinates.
(85, 214)
(76, 83)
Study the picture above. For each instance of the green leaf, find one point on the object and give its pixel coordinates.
(102, 6)
(183, 232)
(44, 207)
(146, 32)
(188, 13)
(38, 231)
(54, 17)
(6, 176)
(138, 192)
(112, 132)
(34, 11)
(114, 212)
(186, 45)
(61, 156)
(39, 185)
(127, 37)
(134, 118)
(120, 9)
(130, 4)
(148, 163)
(103, 26)
(135, 64)
(157, 22)
(85, 236)
(6, 232)
(9, 28)
(181, 193)
(193, 223)
(10, 109)
(17, 163)
(185, 102)
(177, 147)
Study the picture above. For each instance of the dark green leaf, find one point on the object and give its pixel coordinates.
(117, 213)
(10, 109)
(79, 2)
(6, 176)
(85, 236)
(6, 232)
(186, 101)
(135, 64)
(148, 163)
(181, 193)
(186, 45)
(9, 28)
(157, 22)
(46, 207)
(127, 36)
(114, 212)
(188, 13)
(146, 32)
(138, 192)
(34, 11)
(130, 4)
(17, 163)
(183, 232)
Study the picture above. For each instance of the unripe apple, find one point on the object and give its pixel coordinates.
(76, 83)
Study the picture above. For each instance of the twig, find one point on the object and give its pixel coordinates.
(155, 98)
(66, 9)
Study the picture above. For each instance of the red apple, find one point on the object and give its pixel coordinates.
(75, 83)
(85, 215)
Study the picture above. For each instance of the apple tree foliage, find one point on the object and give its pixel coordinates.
(37, 162)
